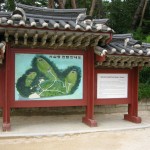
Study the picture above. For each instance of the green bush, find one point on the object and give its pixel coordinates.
(144, 91)
(147, 39)
(144, 85)
(145, 75)
(138, 34)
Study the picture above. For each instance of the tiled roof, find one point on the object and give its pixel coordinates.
(63, 19)
(125, 44)
(123, 52)
(29, 26)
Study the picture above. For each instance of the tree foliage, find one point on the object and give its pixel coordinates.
(121, 14)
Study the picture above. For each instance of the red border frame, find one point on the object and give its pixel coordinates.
(114, 100)
(44, 103)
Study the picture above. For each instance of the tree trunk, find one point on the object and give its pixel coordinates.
(92, 7)
(100, 9)
(137, 13)
(73, 4)
(143, 12)
(50, 3)
(64, 1)
(61, 4)
(84, 3)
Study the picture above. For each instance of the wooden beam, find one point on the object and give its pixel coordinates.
(35, 37)
(6, 36)
(148, 64)
(16, 38)
(86, 41)
(44, 38)
(106, 63)
(78, 39)
(129, 63)
(95, 41)
(53, 39)
(25, 38)
(61, 39)
(69, 40)
(141, 63)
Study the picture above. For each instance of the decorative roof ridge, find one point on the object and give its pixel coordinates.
(146, 44)
(50, 17)
(67, 18)
(48, 10)
(5, 14)
(122, 36)
(102, 21)
(8, 14)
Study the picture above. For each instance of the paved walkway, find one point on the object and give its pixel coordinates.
(27, 126)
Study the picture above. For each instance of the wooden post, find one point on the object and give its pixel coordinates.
(6, 83)
(133, 106)
(1, 85)
(89, 118)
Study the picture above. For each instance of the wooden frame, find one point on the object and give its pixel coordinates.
(105, 101)
(45, 103)
(89, 87)
(131, 100)
(9, 100)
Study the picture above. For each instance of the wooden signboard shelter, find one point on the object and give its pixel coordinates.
(53, 58)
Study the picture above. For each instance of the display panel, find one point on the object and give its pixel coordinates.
(111, 85)
(48, 77)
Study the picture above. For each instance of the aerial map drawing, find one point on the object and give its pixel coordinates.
(48, 77)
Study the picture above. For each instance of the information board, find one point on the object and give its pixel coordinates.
(112, 85)
(48, 77)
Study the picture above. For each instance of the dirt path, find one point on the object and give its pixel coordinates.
(119, 140)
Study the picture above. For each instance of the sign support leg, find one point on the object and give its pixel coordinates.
(133, 106)
(89, 118)
(6, 104)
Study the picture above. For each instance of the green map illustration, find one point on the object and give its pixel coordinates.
(45, 79)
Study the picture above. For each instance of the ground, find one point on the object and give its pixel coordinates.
(136, 139)
(67, 132)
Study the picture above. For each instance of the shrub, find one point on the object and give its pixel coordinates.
(144, 91)
(147, 39)
(144, 85)
(145, 75)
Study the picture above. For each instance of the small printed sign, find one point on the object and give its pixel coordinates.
(112, 86)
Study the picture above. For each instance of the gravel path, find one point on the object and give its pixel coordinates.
(136, 139)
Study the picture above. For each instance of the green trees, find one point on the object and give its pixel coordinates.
(129, 16)
(10, 4)
(121, 14)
